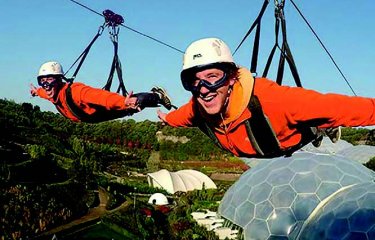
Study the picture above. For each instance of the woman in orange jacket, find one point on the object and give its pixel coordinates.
(256, 117)
(82, 103)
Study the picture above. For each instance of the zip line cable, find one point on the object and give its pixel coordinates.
(325, 49)
(178, 50)
(131, 29)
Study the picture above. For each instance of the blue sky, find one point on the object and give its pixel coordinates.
(33, 32)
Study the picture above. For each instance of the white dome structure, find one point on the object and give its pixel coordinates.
(158, 199)
(183, 180)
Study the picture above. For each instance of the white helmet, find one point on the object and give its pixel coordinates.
(203, 54)
(206, 51)
(50, 68)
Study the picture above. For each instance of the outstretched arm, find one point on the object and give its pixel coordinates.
(83, 94)
(33, 90)
(38, 91)
(182, 117)
(329, 110)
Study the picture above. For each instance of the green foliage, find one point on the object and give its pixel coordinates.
(36, 151)
(354, 135)
(27, 210)
(199, 146)
(182, 224)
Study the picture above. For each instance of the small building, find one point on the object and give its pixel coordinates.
(158, 199)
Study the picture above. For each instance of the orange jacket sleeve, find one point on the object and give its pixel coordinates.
(182, 117)
(90, 96)
(42, 93)
(330, 110)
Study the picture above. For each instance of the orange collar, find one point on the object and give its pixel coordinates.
(240, 96)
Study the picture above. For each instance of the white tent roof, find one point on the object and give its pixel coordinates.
(158, 199)
(184, 180)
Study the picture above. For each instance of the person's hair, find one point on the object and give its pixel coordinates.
(233, 71)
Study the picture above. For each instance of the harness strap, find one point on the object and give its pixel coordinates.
(83, 55)
(259, 130)
(205, 128)
(285, 52)
(74, 109)
(256, 23)
(261, 135)
(116, 65)
(112, 21)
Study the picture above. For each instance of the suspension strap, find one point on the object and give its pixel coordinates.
(256, 23)
(113, 21)
(285, 52)
(83, 56)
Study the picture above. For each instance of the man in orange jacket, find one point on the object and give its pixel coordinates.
(82, 103)
(256, 117)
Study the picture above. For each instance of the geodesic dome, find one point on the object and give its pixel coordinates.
(158, 199)
(327, 146)
(350, 214)
(359, 153)
(183, 180)
(274, 198)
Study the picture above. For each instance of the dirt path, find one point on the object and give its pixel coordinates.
(92, 215)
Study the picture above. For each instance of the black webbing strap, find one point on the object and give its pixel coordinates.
(74, 109)
(205, 128)
(256, 23)
(259, 130)
(285, 52)
(264, 139)
(83, 55)
(113, 21)
(116, 66)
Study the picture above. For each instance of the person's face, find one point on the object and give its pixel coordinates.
(212, 87)
(50, 84)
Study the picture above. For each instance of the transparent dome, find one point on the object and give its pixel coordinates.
(359, 153)
(274, 198)
(349, 214)
(327, 146)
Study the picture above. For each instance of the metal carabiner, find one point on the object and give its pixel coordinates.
(279, 9)
(101, 29)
